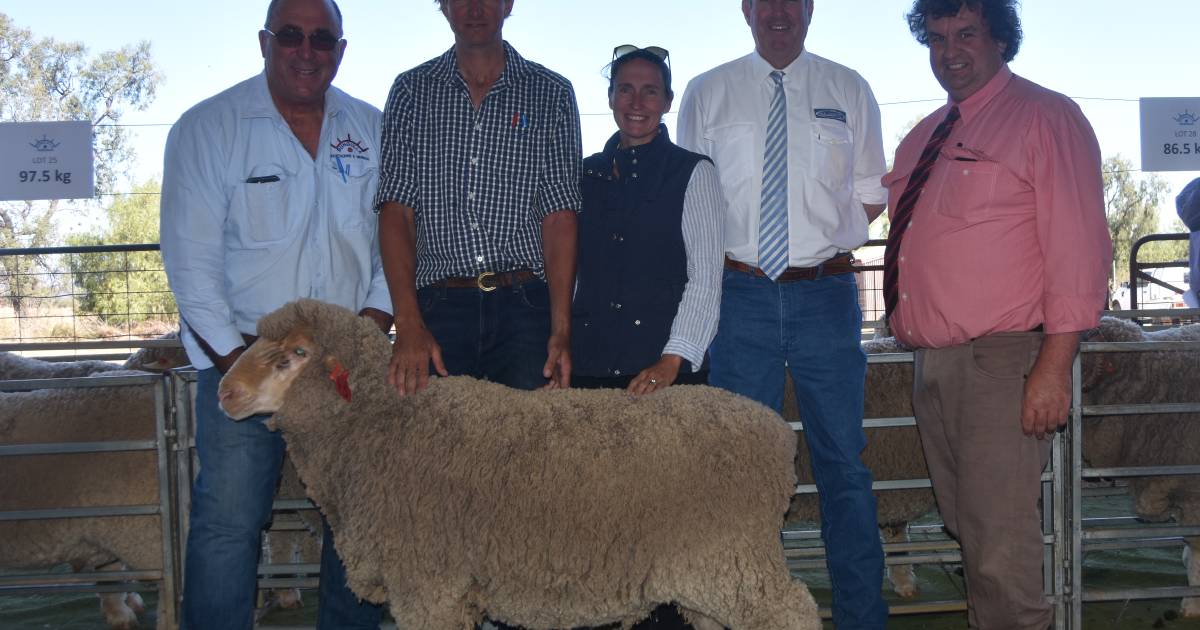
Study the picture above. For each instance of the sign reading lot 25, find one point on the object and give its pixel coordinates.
(46, 160)
(1170, 134)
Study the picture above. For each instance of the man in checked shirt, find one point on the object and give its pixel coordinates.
(478, 192)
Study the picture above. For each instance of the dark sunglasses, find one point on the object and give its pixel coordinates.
(657, 51)
(292, 37)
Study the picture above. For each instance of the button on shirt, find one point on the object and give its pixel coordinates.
(480, 181)
(251, 221)
(835, 151)
(1009, 232)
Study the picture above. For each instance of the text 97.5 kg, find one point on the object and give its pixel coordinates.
(45, 176)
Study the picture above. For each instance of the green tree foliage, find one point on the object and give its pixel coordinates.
(1131, 205)
(42, 79)
(124, 287)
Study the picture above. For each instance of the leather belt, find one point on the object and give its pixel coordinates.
(487, 281)
(842, 263)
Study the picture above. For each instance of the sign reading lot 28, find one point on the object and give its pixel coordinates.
(46, 160)
(1170, 134)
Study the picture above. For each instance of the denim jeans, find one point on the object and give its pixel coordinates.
(499, 335)
(338, 607)
(813, 327)
(231, 504)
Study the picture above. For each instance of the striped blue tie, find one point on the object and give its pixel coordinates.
(773, 218)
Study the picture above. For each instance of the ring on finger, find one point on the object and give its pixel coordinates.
(653, 381)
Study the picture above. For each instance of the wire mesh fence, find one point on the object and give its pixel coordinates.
(113, 292)
(69, 294)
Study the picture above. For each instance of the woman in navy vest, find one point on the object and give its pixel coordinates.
(650, 243)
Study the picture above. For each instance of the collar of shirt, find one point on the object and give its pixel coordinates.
(613, 146)
(975, 103)
(762, 69)
(620, 162)
(515, 67)
(262, 106)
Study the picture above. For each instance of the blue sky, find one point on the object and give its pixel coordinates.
(1105, 53)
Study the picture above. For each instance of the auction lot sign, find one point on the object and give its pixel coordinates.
(1170, 134)
(46, 160)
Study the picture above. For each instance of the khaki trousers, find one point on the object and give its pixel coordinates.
(986, 472)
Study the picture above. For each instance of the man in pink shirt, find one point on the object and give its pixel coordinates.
(997, 258)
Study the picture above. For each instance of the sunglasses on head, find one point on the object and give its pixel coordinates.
(657, 51)
(292, 37)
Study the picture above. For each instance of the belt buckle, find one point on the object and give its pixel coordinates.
(479, 281)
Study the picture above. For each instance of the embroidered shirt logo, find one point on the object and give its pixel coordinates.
(345, 152)
(831, 114)
(520, 121)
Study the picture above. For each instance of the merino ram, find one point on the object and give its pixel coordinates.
(1168, 439)
(547, 509)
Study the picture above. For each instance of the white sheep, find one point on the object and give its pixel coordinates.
(82, 480)
(1112, 378)
(892, 453)
(158, 358)
(15, 367)
(548, 509)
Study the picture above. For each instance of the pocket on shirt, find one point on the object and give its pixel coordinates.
(356, 194)
(832, 153)
(261, 210)
(969, 187)
(733, 150)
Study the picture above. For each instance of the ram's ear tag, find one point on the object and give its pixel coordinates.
(340, 377)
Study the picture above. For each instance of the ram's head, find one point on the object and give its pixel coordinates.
(261, 377)
(305, 336)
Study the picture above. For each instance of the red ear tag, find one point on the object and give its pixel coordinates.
(341, 378)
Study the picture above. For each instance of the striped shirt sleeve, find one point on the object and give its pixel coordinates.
(695, 323)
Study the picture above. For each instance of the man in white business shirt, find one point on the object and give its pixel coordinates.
(266, 198)
(797, 142)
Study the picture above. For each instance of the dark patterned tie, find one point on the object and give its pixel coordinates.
(902, 213)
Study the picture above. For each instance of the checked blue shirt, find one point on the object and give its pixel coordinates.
(480, 181)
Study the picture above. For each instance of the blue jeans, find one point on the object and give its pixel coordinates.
(499, 335)
(813, 328)
(339, 608)
(231, 504)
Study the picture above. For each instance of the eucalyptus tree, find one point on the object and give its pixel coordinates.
(44, 79)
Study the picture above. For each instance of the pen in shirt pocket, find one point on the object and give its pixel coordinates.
(265, 179)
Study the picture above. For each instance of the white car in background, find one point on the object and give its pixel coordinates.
(1152, 295)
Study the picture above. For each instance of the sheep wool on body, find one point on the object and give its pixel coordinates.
(1148, 439)
(545, 509)
(107, 479)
